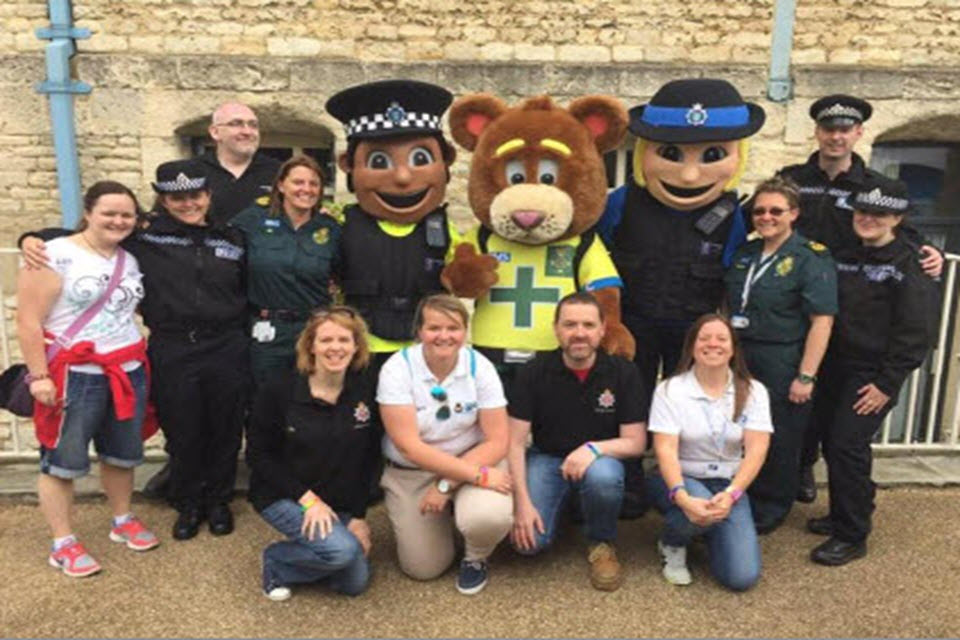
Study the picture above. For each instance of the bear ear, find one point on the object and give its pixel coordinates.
(471, 114)
(604, 117)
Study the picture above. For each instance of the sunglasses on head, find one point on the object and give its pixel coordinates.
(776, 212)
(335, 309)
(439, 394)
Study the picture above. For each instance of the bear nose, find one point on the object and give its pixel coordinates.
(526, 219)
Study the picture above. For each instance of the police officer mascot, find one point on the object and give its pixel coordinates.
(396, 237)
(674, 227)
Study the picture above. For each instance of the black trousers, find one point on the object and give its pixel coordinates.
(774, 490)
(201, 389)
(656, 345)
(846, 447)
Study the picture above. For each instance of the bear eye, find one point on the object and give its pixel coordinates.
(714, 154)
(670, 152)
(419, 157)
(379, 160)
(547, 171)
(515, 172)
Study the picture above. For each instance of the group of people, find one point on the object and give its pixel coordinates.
(238, 273)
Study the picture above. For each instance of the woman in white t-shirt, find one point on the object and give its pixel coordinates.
(95, 387)
(444, 412)
(711, 425)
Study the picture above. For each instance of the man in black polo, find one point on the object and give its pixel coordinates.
(586, 415)
(828, 181)
(238, 173)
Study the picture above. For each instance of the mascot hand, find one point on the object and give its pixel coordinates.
(618, 341)
(469, 275)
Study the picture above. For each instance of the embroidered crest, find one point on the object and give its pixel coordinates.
(606, 399)
(816, 246)
(395, 113)
(560, 261)
(321, 235)
(696, 115)
(361, 413)
(785, 266)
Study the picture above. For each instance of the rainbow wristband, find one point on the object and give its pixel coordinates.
(593, 449)
(305, 507)
(482, 476)
(672, 493)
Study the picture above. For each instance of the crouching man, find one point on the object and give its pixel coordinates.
(586, 416)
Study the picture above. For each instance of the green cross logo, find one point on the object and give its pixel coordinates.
(523, 296)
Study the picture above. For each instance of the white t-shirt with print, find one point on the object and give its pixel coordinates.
(84, 277)
(711, 442)
(405, 379)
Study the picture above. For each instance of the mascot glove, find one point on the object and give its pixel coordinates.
(469, 275)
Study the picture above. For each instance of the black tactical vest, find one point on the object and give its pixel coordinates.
(670, 269)
(385, 276)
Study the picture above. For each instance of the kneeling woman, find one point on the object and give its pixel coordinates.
(313, 446)
(882, 333)
(445, 416)
(711, 425)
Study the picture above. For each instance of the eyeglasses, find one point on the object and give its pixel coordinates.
(237, 124)
(326, 312)
(776, 212)
(439, 394)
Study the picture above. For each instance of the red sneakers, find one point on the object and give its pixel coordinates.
(74, 561)
(137, 536)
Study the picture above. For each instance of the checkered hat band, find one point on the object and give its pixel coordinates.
(877, 199)
(380, 122)
(840, 111)
(182, 183)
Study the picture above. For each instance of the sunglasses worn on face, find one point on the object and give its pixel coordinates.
(776, 212)
(439, 394)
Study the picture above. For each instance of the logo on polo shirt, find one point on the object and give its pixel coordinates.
(361, 414)
(606, 400)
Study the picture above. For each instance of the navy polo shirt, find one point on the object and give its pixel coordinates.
(564, 412)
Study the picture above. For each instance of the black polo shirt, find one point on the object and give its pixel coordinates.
(565, 413)
(296, 442)
(231, 195)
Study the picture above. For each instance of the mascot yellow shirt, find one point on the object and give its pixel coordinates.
(517, 312)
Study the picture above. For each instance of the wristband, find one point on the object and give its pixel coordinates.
(482, 477)
(672, 493)
(735, 493)
(593, 449)
(309, 503)
(806, 379)
(30, 378)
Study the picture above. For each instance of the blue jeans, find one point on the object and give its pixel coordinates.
(600, 493)
(89, 414)
(337, 560)
(732, 543)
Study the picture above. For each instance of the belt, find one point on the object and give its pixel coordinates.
(195, 334)
(282, 314)
(390, 463)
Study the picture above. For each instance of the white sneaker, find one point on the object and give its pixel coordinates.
(674, 564)
(278, 594)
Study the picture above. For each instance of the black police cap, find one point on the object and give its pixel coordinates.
(879, 194)
(696, 110)
(180, 175)
(840, 110)
(390, 108)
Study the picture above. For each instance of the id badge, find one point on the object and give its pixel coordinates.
(263, 331)
(518, 356)
(739, 321)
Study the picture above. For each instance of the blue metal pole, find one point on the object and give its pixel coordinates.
(61, 88)
(779, 85)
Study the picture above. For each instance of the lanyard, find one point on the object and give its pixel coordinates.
(719, 439)
(752, 278)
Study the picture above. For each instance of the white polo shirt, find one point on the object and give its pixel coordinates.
(711, 442)
(405, 379)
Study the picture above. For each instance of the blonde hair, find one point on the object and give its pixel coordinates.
(444, 303)
(344, 316)
(743, 147)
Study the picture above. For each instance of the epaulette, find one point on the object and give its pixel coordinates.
(816, 246)
(263, 201)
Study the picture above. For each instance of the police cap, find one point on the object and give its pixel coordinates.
(390, 108)
(180, 175)
(696, 110)
(882, 195)
(840, 110)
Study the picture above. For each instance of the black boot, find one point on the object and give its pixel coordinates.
(822, 526)
(835, 552)
(188, 522)
(221, 519)
(807, 491)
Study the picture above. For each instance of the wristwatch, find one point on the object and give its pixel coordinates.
(805, 379)
(443, 486)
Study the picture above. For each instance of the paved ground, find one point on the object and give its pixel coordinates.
(209, 587)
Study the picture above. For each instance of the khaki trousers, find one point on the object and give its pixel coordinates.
(425, 541)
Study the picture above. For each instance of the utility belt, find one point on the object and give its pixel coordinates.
(507, 356)
(195, 334)
(288, 315)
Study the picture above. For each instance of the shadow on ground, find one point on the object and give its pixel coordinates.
(209, 587)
